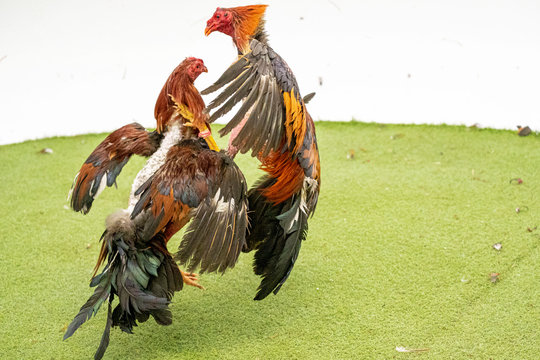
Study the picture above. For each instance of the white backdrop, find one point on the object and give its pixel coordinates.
(71, 66)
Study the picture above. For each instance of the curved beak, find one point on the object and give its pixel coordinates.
(204, 69)
(209, 29)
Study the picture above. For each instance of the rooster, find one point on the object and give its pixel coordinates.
(106, 162)
(186, 177)
(274, 124)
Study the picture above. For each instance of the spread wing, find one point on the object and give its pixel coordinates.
(107, 160)
(216, 236)
(276, 126)
(274, 110)
(208, 186)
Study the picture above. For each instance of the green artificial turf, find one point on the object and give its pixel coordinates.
(399, 254)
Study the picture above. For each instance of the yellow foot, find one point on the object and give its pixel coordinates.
(191, 279)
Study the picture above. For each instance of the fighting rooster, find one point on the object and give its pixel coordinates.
(185, 178)
(274, 124)
(106, 162)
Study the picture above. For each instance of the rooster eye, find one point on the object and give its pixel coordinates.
(217, 16)
(226, 14)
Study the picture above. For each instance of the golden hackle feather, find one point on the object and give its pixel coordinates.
(247, 20)
(178, 89)
(295, 124)
(200, 125)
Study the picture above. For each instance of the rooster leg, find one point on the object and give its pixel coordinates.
(171, 229)
(191, 279)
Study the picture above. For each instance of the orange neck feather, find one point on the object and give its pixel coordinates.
(247, 20)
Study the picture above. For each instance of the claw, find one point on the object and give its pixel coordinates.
(191, 279)
(204, 132)
(183, 111)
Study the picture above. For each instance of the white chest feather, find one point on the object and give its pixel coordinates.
(172, 137)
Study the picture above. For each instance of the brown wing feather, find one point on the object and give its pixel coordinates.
(208, 186)
(107, 160)
(173, 190)
(216, 236)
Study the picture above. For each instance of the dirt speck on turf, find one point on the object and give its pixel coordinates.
(494, 277)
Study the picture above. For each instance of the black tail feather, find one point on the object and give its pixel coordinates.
(104, 343)
(276, 235)
(142, 277)
(101, 293)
